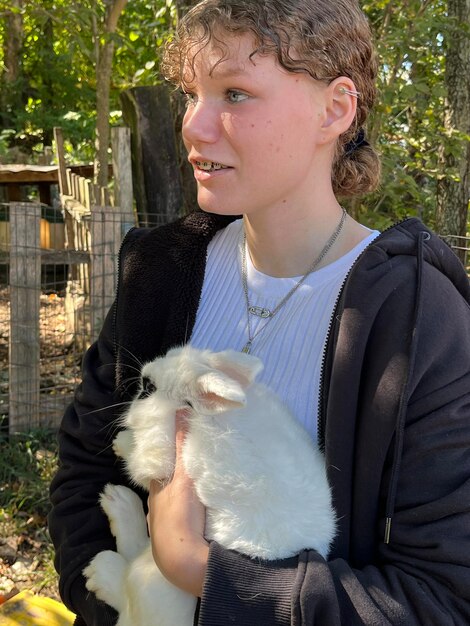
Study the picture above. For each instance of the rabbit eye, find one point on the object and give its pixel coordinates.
(148, 387)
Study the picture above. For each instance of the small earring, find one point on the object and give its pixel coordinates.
(349, 92)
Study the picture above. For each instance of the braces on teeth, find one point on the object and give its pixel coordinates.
(210, 166)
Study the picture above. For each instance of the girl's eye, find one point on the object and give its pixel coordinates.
(148, 387)
(235, 96)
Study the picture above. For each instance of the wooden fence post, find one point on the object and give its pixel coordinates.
(122, 173)
(25, 289)
(106, 229)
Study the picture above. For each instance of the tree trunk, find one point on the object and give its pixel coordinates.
(454, 187)
(48, 97)
(104, 66)
(188, 182)
(13, 41)
(178, 105)
(103, 83)
(155, 161)
(12, 45)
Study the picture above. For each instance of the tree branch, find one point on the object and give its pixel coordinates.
(115, 11)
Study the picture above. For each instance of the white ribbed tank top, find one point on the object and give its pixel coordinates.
(292, 344)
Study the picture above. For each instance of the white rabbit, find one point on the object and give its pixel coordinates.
(256, 470)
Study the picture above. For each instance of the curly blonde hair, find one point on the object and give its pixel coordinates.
(324, 38)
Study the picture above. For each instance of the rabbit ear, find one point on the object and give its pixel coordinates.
(217, 393)
(238, 366)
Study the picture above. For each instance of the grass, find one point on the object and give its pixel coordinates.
(27, 464)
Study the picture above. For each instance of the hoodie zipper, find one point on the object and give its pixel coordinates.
(320, 411)
(321, 399)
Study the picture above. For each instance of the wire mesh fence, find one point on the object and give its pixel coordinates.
(461, 247)
(35, 356)
(57, 282)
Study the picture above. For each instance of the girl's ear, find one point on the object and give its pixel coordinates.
(242, 368)
(341, 103)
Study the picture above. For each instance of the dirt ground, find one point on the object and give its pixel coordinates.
(25, 561)
(60, 358)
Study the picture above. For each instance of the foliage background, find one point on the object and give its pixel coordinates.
(57, 83)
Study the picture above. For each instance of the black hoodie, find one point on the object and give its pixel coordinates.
(394, 423)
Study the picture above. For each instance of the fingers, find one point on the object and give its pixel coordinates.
(181, 422)
(181, 428)
(176, 522)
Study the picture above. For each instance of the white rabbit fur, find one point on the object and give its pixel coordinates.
(256, 470)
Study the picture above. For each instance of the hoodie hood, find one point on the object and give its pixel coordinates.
(402, 238)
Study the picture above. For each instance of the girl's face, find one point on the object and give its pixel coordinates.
(253, 132)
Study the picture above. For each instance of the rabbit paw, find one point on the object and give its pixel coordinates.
(105, 577)
(126, 519)
(123, 444)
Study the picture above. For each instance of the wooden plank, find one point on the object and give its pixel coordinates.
(55, 257)
(28, 176)
(74, 190)
(72, 206)
(81, 190)
(88, 195)
(106, 238)
(69, 239)
(105, 197)
(75, 325)
(85, 245)
(33, 174)
(25, 289)
(59, 149)
(80, 244)
(64, 257)
(68, 175)
(122, 168)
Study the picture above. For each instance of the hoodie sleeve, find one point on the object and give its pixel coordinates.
(423, 575)
(78, 527)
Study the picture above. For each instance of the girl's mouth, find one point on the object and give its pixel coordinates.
(210, 166)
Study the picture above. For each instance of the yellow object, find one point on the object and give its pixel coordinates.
(26, 609)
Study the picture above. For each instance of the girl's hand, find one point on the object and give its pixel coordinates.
(176, 523)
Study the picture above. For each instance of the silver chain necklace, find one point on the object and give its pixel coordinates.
(267, 313)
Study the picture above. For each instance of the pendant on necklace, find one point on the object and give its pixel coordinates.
(247, 347)
(259, 311)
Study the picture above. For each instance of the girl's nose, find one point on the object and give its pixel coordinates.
(201, 123)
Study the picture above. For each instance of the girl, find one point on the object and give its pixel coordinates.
(366, 337)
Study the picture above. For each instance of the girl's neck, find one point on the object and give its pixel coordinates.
(288, 245)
